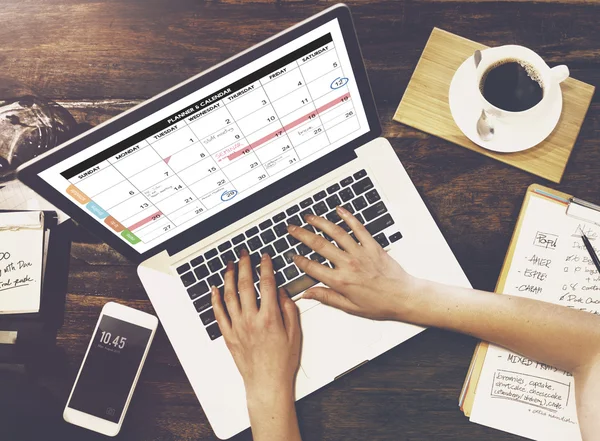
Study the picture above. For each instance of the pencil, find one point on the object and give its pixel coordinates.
(590, 249)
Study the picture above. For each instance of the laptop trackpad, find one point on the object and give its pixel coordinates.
(333, 341)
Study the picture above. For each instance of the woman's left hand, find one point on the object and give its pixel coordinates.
(265, 340)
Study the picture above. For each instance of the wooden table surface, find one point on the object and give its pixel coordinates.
(98, 58)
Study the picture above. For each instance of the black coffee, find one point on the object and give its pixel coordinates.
(511, 85)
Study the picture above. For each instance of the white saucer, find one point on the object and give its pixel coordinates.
(507, 139)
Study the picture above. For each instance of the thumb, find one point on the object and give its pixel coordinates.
(289, 313)
(330, 297)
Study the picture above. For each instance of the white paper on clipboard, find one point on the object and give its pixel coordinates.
(550, 263)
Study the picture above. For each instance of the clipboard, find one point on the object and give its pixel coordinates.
(574, 207)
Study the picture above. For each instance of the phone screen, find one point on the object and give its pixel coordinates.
(110, 368)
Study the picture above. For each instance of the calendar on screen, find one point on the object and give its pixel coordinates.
(203, 153)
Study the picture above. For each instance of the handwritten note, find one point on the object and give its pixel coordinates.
(550, 263)
(21, 261)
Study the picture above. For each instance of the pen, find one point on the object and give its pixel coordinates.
(590, 249)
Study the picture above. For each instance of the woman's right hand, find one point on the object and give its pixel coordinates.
(366, 281)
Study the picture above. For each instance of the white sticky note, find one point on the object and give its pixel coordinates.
(21, 261)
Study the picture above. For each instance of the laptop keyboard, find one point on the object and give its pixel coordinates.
(356, 193)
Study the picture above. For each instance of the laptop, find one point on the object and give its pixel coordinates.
(224, 161)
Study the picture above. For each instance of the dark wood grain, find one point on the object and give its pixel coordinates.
(100, 58)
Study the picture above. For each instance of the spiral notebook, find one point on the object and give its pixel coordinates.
(23, 241)
(546, 261)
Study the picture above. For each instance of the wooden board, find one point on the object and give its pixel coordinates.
(424, 106)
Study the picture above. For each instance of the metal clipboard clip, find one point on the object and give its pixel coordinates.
(583, 210)
(576, 208)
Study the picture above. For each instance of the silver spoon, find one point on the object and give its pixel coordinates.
(485, 128)
(477, 57)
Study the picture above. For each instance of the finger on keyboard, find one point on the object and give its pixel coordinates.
(337, 233)
(219, 311)
(361, 233)
(246, 283)
(268, 287)
(314, 271)
(318, 243)
(232, 301)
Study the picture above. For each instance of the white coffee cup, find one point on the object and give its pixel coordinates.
(549, 78)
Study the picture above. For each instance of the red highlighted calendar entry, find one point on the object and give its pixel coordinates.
(217, 149)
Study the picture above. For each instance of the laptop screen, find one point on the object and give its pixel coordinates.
(220, 144)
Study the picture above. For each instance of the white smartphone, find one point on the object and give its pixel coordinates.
(110, 369)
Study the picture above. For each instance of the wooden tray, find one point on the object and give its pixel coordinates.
(424, 106)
